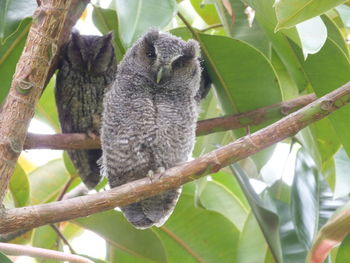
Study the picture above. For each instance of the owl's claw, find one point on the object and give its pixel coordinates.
(92, 135)
(159, 172)
(150, 175)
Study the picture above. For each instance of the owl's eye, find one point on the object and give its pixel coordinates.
(179, 63)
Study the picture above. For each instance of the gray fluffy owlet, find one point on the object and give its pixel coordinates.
(87, 68)
(149, 119)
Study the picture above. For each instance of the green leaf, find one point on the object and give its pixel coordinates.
(241, 28)
(238, 91)
(328, 70)
(344, 11)
(45, 237)
(331, 234)
(265, 16)
(46, 110)
(305, 199)
(217, 197)
(47, 181)
(267, 219)
(69, 164)
(116, 255)
(342, 166)
(12, 14)
(113, 227)
(312, 204)
(335, 34)
(19, 187)
(4, 259)
(106, 20)
(206, 11)
(227, 179)
(251, 239)
(312, 34)
(137, 16)
(10, 51)
(344, 251)
(291, 12)
(189, 235)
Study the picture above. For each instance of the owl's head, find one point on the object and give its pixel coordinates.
(92, 54)
(167, 57)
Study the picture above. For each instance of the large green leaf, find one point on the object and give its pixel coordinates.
(217, 197)
(206, 11)
(328, 70)
(342, 166)
(330, 235)
(197, 235)
(343, 254)
(19, 186)
(114, 228)
(10, 51)
(106, 20)
(230, 182)
(240, 27)
(305, 199)
(238, 90)
(251, 239)
(116, 255)
(266, 18)
(4, 259)
(47, 181)
(335, 34)
(45, 237)
(312, 205)
(137, 16)
(312, 35)
(291, 12)
(263, 212)
(12, 13)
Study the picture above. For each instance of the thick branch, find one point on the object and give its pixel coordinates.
(52, 23)
(34, 216)
(254, 117)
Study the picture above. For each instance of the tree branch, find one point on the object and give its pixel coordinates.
(34, 216)
(254, 117)
(51, 26)
(22, 250)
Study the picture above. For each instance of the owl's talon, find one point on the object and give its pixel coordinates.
(92, 135)
(160, 171)
(150, 175)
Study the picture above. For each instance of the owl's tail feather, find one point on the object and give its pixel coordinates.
(153, 211)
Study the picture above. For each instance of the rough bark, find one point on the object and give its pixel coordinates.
(34, 216)
(52, 23)
(254, 117)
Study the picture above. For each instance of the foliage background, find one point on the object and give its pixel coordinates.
(256, 56)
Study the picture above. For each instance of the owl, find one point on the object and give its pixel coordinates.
(149, 119)
(86, 69)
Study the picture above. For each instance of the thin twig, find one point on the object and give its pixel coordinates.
(211, 27)
(58, 232)
(250, 118)
(22, 250)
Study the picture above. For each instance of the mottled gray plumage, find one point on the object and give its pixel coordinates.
(149, 119)
(87, 68)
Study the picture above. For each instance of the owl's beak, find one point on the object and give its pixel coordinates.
(159, 74)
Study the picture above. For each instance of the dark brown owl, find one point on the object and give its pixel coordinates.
(87, 68)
